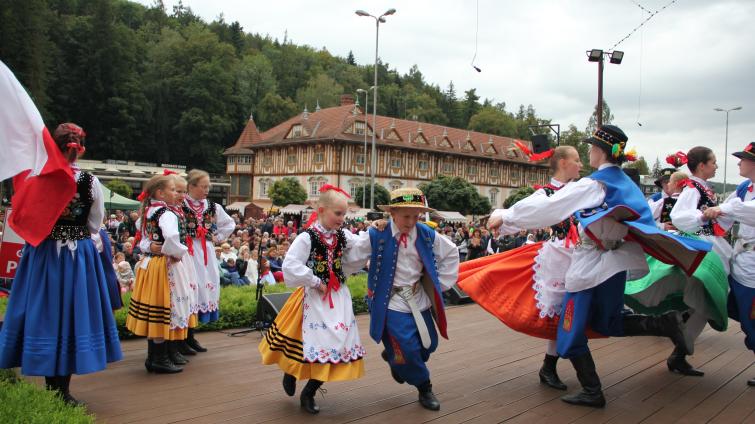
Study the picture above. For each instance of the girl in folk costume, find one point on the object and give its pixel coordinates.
(617, 225)
(59, 320)
(206, 224)
(740, 207)
(159, 308)
(315, 336)
(524, 287)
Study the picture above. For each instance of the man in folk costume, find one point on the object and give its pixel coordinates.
(740, 207)
(616, 225)
(410, 267)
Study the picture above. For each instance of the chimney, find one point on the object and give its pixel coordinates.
(347, 99)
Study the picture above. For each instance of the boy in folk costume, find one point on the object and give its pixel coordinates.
(315, 336)
(740, 207)
(617, 225)
(410, 267)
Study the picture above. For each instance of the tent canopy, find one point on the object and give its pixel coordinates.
(238, 206)
(452, 217)
(293, 209)
(114, 200)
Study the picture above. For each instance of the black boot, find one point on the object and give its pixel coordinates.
(308, 396)
(185, 349)
(193, 343)
(150, 355)
(174, 354)
(426, 396)
(289, 384)
(161, 362)
(677, 362)
(61, 385)
(394, 373)
(548, 374)
(591, 394)
(668, 325)
(751, 382)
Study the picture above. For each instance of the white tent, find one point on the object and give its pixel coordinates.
(238, 206)
(452, 217)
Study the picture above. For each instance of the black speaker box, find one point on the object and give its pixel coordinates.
(270, 305)
(540, 143)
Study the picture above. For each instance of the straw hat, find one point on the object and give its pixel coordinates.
(407, 198)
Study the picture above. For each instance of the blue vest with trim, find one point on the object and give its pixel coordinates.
(620, 191)
(742, 189)
(383, 268)
(656, 196)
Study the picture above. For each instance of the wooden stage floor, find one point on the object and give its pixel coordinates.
(485, 373)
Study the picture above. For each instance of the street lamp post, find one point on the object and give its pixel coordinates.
(726, 140)
(373, 162)
(364, 162)
(597, 55)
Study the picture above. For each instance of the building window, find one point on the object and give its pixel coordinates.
(395, 161)
(234, 184)
(267, 160)
(264, 186)
(315, 185)
(423, 165)
(494, 171)
(319, 157)
(360, 159)
(296, 131)
(245, 185)
(244, 159)
(353, 187)
(395, 185)
(472, 170)
(493, 197)
(359, 127)
(291, 160)
(448, 168)
(231, 160)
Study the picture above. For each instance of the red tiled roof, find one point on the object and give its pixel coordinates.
(330, 123)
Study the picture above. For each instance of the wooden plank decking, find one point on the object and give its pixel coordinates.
(485, 373)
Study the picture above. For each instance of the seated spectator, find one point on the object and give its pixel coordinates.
(125, 276)
(290, 228)
(226, 252)
(266, 276)
(232, 273)
(276, 265)
(252, 264)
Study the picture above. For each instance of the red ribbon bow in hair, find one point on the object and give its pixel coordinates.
(167, 172)
(328, 187)
(677, 159)
(76, 146)
(143, 195)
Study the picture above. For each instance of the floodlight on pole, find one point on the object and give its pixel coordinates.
(598, 55)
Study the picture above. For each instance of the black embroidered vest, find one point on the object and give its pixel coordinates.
(668, 205)
(561, 229)
(707, 200)
(152, 227)
(209, 220)
(318, 257)
(72, 223)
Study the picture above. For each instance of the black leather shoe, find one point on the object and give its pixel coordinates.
(289, 384)
(185, 349)
(161, 362)
(548, 374)
(751, 382)
(174, 354)
(586, 397)
(677, 362)
(394, 373)
(307, 397)
(427, 398)
(193, 343)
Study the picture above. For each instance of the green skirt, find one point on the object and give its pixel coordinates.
(710, 275)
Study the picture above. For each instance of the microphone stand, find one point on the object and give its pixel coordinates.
(256, 325)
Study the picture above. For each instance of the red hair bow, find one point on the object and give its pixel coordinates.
(143, 195)
(76, 146)
(677, 159)
(328, 187)
(167, 172)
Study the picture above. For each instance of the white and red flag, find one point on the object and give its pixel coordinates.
(42, 178)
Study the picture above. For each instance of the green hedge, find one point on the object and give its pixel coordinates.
(3, 305)
(238, 308)
(24, 402)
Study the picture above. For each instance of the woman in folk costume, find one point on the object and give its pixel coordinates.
(160, 309)
(410, 268)
(207, 224)
(524, 287)
(740, 207)
(702, 296)
(59, 320)
(315, 336)
(616, 225)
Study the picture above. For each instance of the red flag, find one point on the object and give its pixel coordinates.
(43, 182)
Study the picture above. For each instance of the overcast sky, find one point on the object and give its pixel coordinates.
(688, 59)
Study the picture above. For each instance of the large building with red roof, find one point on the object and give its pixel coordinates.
(327, 146)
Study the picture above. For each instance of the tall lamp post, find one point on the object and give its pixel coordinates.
(597, 55)
(364, 174)
(726, 140)
(373, 162)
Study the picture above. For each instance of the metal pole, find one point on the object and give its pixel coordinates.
(364, 161)
(374, 119)
(600, 92)
(726, 149)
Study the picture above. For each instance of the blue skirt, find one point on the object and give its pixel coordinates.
(59, 320)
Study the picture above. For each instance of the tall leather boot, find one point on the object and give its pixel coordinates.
(150, 355)
(289, 384)
(591, 394)
(161, 363)
(65, 384)
(751, 382)
(193, 343)
(174, 354)
(185, 349)
(426, 396)
(677, 362)
(668, 325)
(308, 396)
(548, 374)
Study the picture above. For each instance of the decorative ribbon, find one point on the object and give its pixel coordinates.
(531, 156)
(328, 187)
(143, 195)
(76, 146)
(167, 172)
(572, 237)
(677, 159)
(403, 239)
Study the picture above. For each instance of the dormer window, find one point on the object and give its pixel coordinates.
(359, 127)
(297, 131)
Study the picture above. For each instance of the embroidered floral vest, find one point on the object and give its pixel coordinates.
(668, 205)
(209, 221)
(560, 230)
(707, 200)
(72, 223)
(321, 262)
(152, 226)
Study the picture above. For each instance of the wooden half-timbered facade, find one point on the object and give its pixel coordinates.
(328, 147)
